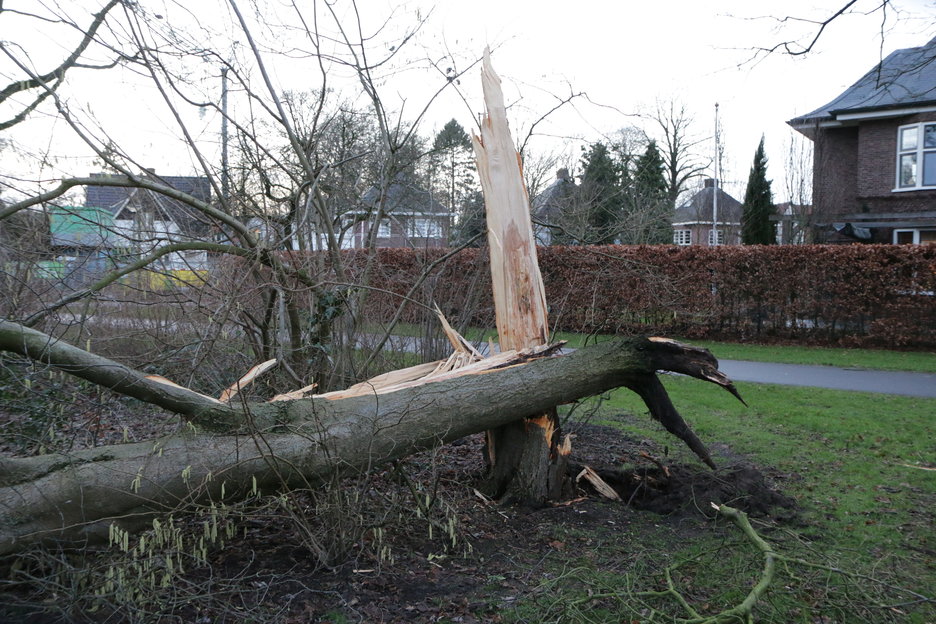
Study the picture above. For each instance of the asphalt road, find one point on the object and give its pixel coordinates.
(862, 380)
(859, 380)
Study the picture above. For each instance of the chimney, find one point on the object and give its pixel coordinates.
(709, 182)
(563, 174)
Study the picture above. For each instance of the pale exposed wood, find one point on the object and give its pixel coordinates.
(457, 341)
(169, 382)
(521, 456)
(519, 295)
(246, 380)
(565, 447)
(301, 393)
(600, 485)
(382, 382)
(433, 371)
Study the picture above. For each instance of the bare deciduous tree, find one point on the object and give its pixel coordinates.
(679, 146)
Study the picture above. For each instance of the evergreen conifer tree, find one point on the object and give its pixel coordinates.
(649, 221)
(451, 171)
(756, 227)
(600, 192)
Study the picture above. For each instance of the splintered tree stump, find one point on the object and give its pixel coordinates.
(526, 459)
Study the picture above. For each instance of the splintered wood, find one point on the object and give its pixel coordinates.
(600, 485)
(169, 382)
(519, 295)
(246, 380)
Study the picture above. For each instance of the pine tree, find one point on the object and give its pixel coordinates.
(452, 156)
(600, 194)
(756, 227)
(649, 218)
(472, 221)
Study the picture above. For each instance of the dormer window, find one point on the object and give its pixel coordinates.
(916, 156)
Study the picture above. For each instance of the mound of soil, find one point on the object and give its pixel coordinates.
(677, 489)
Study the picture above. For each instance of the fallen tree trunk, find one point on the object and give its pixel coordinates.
(303, 442)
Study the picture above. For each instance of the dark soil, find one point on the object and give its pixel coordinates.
(268, 573)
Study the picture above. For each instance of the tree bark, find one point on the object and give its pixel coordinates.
(301, 443)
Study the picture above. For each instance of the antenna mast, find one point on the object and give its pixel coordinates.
(713, 241)
(225, 179)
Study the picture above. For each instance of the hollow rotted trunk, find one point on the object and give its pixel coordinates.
(526, 458)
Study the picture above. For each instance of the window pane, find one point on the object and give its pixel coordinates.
(908, 138)
(421, 228)
(928, 237)
(903, 238)
(929, 168)
(908, 167)
(929, 136)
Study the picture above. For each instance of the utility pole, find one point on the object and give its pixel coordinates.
(225, 178)
(713, 242)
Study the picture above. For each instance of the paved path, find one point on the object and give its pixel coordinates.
(860, 380)
(854, 379)
(887, 382)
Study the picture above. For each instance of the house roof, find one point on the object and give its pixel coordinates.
(555, 198)
(81, 226)
(404, 196)
(904, 79)
(699, 208)
(123, 202)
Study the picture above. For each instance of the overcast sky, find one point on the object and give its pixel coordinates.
(624, 55)
(627, 55)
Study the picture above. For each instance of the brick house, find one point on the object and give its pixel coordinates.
(874, 166)
(692, 222)
(412, 218)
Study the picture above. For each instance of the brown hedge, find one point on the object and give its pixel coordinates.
(854, 295)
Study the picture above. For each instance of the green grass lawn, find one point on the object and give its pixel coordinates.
(843, 451)
(859, 466)
(877, 359)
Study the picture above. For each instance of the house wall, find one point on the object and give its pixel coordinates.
(835, 163)
(399, 234)
(877, 167)
(700, 232)
(855, 171)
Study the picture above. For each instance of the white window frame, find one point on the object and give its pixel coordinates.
(383, 229)
(421, 227)
(682, 237)
(711, 237)
(916, 234)
(916, 146)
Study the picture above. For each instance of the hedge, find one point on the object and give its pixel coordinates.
(850, 295)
